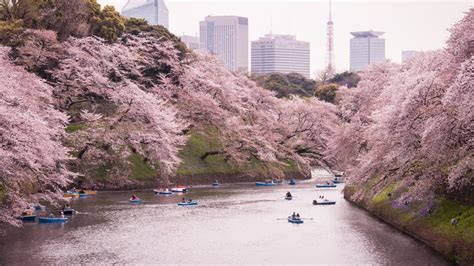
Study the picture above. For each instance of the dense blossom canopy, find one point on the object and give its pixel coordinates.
(32, 155)
(414, 122)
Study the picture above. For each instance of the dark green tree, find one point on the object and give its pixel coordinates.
(11, 33)
(348, 79)
(107, 23)
(286, 84)
(327, 92)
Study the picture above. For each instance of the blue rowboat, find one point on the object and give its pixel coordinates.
(215, 184)
(45, 220)
(292, 182)
(326, 186)
(295, 220)
(324, 202)
(265, 184)
(83, 195)
(136, 201)
(40, 207)
(27, 218)
(192, 203)
(162, 192)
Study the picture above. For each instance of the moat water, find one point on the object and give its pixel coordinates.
(235, 224)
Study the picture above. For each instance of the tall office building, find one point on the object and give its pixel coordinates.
(366, 48)
(154, 12)
(408, 55)
(228, 38)
(191, 42)
(330, 61)
(280, 54)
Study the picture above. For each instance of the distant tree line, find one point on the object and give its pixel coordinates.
(324, 87)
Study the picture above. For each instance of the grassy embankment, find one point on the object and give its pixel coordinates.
(193, 169)
(427, 222)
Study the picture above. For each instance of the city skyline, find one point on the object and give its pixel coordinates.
(408, 26)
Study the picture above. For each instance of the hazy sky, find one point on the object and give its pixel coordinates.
(408, 25)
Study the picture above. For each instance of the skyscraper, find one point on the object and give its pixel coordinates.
(191, 41)
(228, 38)
(280, 54)
(408, 55)
(366, 48)
(330, 61)
(154, 12)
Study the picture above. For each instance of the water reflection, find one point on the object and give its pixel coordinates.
(235, 224)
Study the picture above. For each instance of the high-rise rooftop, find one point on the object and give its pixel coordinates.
(154, 12)
(367, 34)
(366, 48)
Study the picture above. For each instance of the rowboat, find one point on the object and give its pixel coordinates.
(137, 200)
(338, 173)
(88, 192)
(179, 189)
(335, 181)
(215, 183)
(265, 184)
(292, 182)
(294, 220)
(288, 198)
(71, 195)
(325, 185)
(40, 207)
(69, 211)
(44, 220)
(83, 195)
(192, 203)
(27, 218)
(324, 202)
(162, 191)
(277, 181)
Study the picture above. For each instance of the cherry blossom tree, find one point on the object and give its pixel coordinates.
(413, 123)
(32, 154)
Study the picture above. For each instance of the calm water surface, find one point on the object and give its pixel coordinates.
(235, 224)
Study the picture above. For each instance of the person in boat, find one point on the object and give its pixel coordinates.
(327, 182)
(51, 215)
(288, 194)
(297, 216)
(183, 200)
(293, 216)
(134, 197)
(62, 214)
(190, 200)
